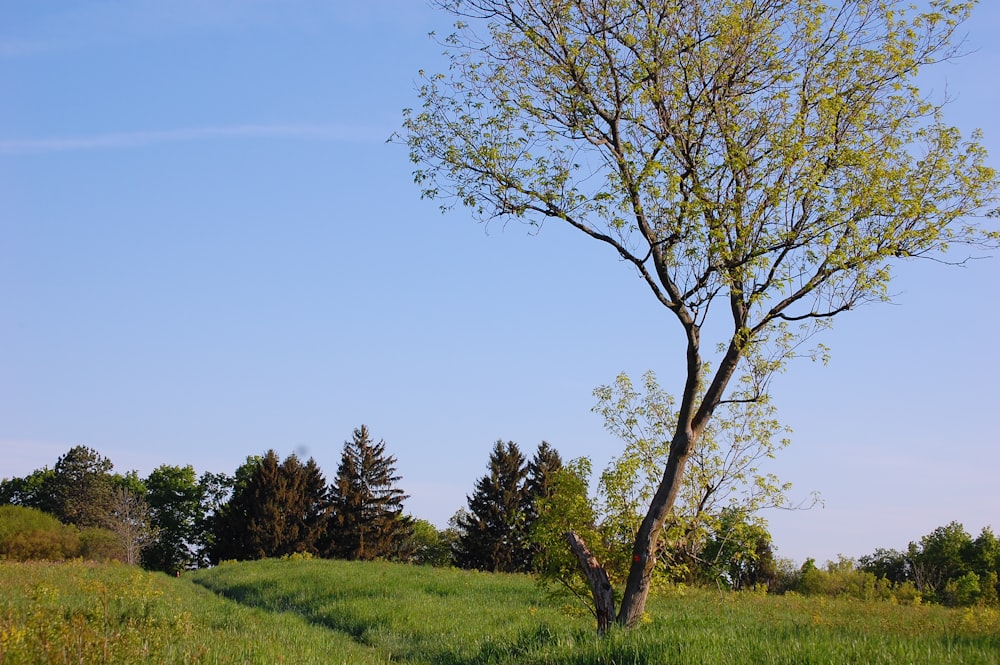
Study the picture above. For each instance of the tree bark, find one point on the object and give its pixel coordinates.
(640, 572)
(597, 577)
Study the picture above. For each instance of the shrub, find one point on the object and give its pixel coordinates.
(27, 533)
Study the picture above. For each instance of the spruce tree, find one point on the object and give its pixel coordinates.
(367, 506)
(492, 535)
(538, 486)
(280, 509)
(538, 483)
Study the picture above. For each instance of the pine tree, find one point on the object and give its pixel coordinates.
(367, 506)
(81, 488)
(492, 535)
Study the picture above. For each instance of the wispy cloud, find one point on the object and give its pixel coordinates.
(336, 133)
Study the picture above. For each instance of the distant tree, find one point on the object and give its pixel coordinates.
(175, 502)
(128, 517)
(492, 535)
(216, 490)
(279, 509)
(81, 487)
(739, 553)
(888, 564)
(986, 564)
(763, 165)
(946, 566)
(33, 491)
(428, 546)
(538, 480)
(367, 504)
(307, 507)
(538, 486)
(939, 557)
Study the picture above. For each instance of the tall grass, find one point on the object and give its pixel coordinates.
(78, 612)
(403, 613)
(313, 611)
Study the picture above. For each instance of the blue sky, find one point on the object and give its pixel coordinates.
(207, 249)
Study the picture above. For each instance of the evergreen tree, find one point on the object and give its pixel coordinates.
(279, 509)
(367, 506)
(80, 490)
(307, 513)
(492, 534)
(538, 487)
(538, 483)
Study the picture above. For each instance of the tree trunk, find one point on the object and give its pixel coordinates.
(644, 550)
(597, 577)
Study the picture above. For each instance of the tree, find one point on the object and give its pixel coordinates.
(723, 486)
(538, 486)
(738, 552)
(367, 506)
(217, 489)
(128, 516)
(762, 165)
(539, 478)
(887, 564)
(429, 546)
(942, 556)
(277, 508)
(492, 535)
(32, 491)
(985, 562)
(176, 509)
(81, 487)
(567, 509)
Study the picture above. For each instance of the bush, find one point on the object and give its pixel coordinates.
(29, 534)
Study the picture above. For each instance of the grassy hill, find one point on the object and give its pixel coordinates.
(319, 611)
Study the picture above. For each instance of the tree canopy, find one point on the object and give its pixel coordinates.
(762, 165)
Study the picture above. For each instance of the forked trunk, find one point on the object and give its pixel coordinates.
(643, 553)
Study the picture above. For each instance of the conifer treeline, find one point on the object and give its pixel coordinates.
(174, 520)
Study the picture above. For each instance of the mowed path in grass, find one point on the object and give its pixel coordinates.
(320, 611)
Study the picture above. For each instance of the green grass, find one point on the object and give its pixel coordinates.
(316, 611)
(81, 612)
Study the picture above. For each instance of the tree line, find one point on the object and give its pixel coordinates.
(175, 520)
(515, 520)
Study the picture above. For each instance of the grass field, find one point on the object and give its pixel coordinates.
(316, 611)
